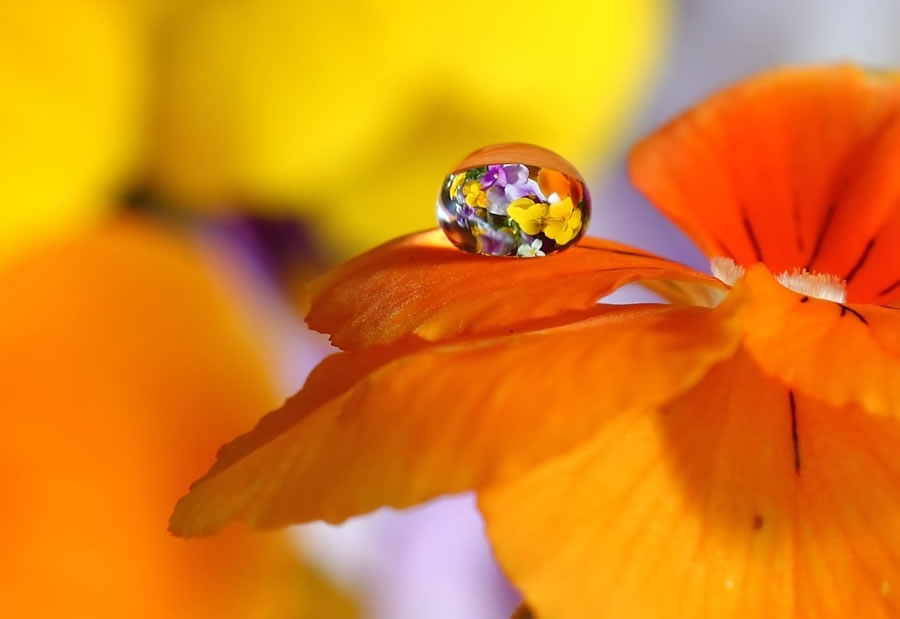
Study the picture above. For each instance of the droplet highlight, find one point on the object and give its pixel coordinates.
(516, 200)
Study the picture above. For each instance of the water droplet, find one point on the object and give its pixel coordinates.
(514, 200)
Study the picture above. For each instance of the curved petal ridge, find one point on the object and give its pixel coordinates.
(421, 287)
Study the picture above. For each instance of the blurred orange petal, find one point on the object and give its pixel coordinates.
(422, 286)
(124, 365)
(522, 612)
(345, 445)
(840, 353)
(739, 499)
(792, 168)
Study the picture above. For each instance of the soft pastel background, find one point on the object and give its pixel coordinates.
(173, 171)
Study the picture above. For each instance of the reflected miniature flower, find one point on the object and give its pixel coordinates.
(494, 242)
(455, 185)
(475, 195)
(464, 213)
(514, 174)
(497, 202)
(555, 183)
(530, 216)
(530, 250)
(528, 187)
(494, 174)
(563, 221)
(508, 184)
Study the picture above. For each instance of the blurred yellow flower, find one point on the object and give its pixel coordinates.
(73, 75)
(312, 109)
(326, 107)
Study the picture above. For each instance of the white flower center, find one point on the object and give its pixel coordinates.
(817, 285)
(726, 270)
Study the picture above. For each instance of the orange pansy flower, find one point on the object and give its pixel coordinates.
(729, 454)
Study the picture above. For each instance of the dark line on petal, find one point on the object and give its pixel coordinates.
(804, 299)
(633, 253)
(726, 253)
(890, 288)
(625, 252)
(753, 241)
(845, 309)
(829, 214)
(893, 307)
(794, 436)
(611, 269)
(860, 262)
(798, 224)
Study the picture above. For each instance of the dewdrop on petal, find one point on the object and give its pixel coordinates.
(516, 200)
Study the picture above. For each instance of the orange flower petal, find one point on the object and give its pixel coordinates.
(711, 508)
(847, 535)
(684, 292)
(842, 354)
(473, 413)
(793, 168)
(876, 279)
(422, 286)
